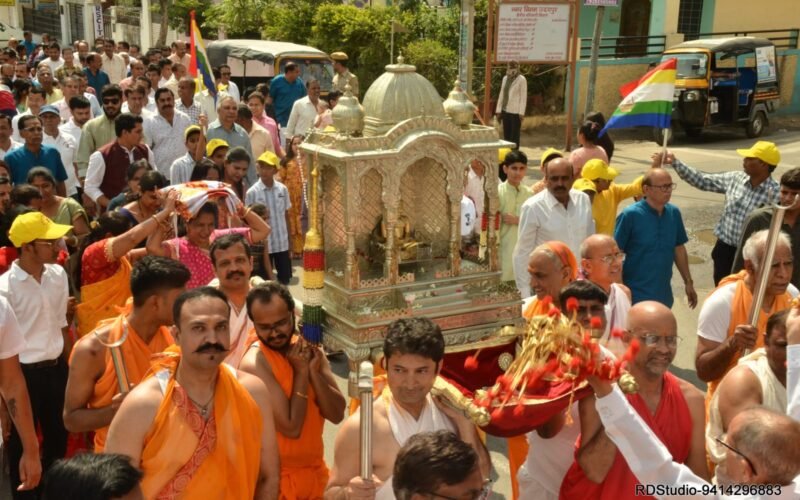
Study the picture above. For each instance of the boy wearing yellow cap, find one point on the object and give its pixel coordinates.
(38, 292)
(181, 169)
(608, 194)
(744, 192)
(275, 196)
(216, 150)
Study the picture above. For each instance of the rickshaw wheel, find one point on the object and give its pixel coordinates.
(756, 126)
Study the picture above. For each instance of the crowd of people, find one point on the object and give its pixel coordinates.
(109, 258)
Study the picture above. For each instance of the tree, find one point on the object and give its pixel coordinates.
(434, 61)
(238, 18)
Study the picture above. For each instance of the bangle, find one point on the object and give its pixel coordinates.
(304, 396)
(246, 211)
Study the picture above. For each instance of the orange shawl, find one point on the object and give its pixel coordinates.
(565, 255)
(740, 309)
(187, 457)
(304, 474)
(137, 364)
(100, 300)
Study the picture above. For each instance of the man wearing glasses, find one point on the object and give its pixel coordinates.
(38, 292)
(303, 392)
(601, 263)
(34, 154)
(652, 235)
(723, 327)
(759, 379)
(671, 407)
(744, 191)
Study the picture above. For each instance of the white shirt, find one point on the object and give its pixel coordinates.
(97, 109)
(304, 114)
(96, 170)
(468, 216)
(145, 113)
(14, 144)
(40, 308)
(233, 90)
(181, 169)
(543, 218)
(11, 340)
(166, 140)
(115, 67)
(715, 315)
(517, 96)
(72, 129)
(67, 148)
(15, 125)
(474, 190)
(53, 65)
(649, 459)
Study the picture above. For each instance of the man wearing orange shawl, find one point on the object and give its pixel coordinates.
(723, 331)
(199, 428)
(551, 266)
(301, 386)
(671, 407)
(92, 394)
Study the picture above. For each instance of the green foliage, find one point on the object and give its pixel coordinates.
(179, 11)
(239, 18)
(292, 20)
(434, 61)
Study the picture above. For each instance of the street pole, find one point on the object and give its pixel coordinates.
(597, 34)
(146, 28)
(487, 78)
(391, 45)
(572, 68)
(465, 44)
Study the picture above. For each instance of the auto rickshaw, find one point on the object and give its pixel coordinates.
(255, 61)
(724, 82)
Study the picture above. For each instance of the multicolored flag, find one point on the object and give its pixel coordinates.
(199, 67)
(649, 104)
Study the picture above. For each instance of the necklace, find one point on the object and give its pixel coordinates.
(203, 408)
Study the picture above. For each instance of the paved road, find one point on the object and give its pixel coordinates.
(700, 212)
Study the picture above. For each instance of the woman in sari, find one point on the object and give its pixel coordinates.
(58, 209)
(105, 263)
(294, 178)
(192, 249)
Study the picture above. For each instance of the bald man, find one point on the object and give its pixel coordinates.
(671, 407)
(551, 266)
(601, 262)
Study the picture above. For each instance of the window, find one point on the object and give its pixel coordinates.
(690, 14)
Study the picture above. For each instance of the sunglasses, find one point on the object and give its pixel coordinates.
(110, 101)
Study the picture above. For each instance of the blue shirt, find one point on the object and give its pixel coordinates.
(649, 240)
(283, 96)
(97, 82)
(22, 160)
(29, 48)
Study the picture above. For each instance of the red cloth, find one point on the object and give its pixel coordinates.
(672, 424)
(97, 264)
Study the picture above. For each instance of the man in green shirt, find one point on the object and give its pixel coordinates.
(98, 132)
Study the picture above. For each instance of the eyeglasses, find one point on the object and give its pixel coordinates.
(33, 129)
(665, 188)
(609, 259)
(276, 327)
(482, 494)
(652, 339)
(225, 74)
(726, 445)
(110, 101)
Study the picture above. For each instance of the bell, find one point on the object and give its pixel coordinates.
(348, 115)
(458, 107)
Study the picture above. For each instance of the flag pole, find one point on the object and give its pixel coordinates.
(666, 134)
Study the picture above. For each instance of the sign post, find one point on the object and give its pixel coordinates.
(97, 21)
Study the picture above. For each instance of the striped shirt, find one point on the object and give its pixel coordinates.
(741, 197)
(193, 111)
(277, 201)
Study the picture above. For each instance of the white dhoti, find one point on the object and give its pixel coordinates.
(773, 396)
(404, 425)
(617, 309)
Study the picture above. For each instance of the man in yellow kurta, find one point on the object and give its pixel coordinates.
(92, 394)
(512, 194)
(199, 428)
(301, 386)
(609, 195)
(723, 330)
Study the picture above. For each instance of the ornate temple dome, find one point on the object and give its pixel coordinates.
(399, 94)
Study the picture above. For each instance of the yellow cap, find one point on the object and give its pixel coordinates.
(584, 185)
(764, 151)
(598, 169)
(501, 154)
(35, 226)
(191, 129)
(269, 158)
(215, 144)
(548, 155)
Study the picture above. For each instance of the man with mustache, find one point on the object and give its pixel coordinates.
(301, 386)
(559, 213)
(92, 395)
(98, 132)
(198, 429)
(164, 131)
(723, 328)
(672, 408)
(233, 265)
